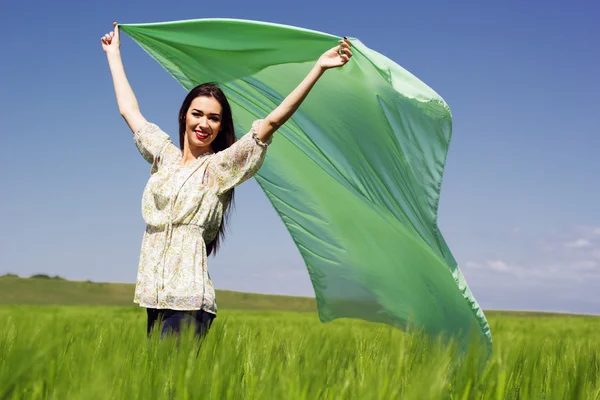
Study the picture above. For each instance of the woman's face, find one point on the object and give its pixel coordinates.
(203, 122)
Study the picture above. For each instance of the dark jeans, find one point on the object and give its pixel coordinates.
(174, 320)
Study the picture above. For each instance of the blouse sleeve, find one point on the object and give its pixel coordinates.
(239, 162)
(154, 145)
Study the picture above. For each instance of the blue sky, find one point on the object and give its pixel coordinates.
(520, 193)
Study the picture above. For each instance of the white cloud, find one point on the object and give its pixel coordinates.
(587, 265)
(579, 243)
(498, 265)
(520, 271)
(586, 231)
(560, 262)
(569, 255)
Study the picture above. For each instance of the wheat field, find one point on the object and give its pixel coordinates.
(101, 352)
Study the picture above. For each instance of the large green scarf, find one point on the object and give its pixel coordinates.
(355, 174)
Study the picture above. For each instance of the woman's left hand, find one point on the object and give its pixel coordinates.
(337, 56)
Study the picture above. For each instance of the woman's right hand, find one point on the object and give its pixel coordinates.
(111, 41)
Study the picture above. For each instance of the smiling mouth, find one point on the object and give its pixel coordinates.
(202, 135)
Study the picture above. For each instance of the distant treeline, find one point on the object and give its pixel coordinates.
(36, 276)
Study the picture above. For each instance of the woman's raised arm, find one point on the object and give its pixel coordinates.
(332, 58)
(128, 105)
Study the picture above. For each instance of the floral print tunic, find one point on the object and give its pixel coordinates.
(182, 206)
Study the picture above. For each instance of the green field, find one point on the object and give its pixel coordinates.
(271, 347)
(15, 290)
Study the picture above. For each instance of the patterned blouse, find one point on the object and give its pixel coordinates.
(182, 206)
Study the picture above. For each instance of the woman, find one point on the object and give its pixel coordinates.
(191, 188)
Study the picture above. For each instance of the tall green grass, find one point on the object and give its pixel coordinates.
(69, 352)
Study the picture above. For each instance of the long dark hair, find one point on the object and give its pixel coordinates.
(224, 139)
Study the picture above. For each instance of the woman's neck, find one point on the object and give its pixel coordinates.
(190, 155)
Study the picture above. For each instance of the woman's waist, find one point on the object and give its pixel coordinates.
(164, 228)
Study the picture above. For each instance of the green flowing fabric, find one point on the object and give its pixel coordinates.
(355, 175)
